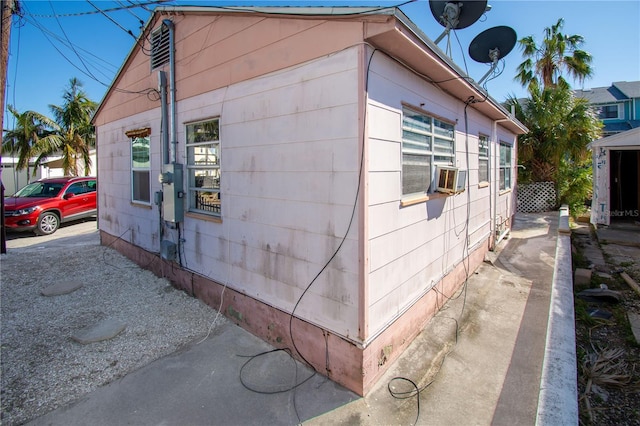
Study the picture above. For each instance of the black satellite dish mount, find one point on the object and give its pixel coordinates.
(454, 15)
(492, 45)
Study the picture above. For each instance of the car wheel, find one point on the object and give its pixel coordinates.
(48, 224)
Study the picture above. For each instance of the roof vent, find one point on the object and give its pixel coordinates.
(159, 47)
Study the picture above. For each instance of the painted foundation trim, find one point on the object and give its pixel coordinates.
(558, 398)
(344, 362)
(394, 340)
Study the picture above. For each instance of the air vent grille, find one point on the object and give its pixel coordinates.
(160, 47)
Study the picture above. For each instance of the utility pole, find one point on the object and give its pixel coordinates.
(8, 6)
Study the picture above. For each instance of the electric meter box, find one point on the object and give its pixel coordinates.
(172, 193)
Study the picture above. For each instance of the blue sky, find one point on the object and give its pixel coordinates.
(55, 40)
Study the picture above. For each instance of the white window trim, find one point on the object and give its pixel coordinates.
(507, 166)
(620, 109)
(133, 135)
(192, 168)
(484, 157)
(430, 152)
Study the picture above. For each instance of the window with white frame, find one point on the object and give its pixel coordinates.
(426, 142)
(203, 166)
(609, 111)
(140, 165)
(505, 166)
(483, 158)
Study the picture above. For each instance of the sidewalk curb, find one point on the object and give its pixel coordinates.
(558, 398)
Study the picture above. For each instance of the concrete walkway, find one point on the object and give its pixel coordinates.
(480, 359)
(478, 362)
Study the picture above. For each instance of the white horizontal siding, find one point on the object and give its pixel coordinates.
(117, 215)
(290, 162)
(411, 248)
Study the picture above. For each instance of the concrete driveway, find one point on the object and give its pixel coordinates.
(76, 233)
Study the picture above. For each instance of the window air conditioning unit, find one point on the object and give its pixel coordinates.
(451, 180)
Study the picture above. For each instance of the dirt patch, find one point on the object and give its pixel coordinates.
(608, 354)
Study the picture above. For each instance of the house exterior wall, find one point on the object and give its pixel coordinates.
(289, 163)
(289, 177)
(412, 247)
(118, 216)
(361, 271)
(219, 51)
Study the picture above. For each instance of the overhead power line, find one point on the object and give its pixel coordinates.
(114, 9)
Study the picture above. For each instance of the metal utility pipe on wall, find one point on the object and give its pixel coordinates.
(162, 87)
(495, 239)
(172, 92)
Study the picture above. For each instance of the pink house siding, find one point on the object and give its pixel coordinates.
(412, 248)
(310, 162)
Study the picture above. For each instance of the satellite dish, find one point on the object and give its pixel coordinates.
(456, 14)
(491, 45)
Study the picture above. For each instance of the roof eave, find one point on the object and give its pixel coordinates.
(406, 43)
(418, 51)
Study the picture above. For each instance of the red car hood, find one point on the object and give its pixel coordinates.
(17, 203)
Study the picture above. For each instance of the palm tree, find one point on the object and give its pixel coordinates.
(30, 138)
(557, 54)
(560, 128)
(73, 128)
(560, 125)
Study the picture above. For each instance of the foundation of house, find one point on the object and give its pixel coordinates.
(354, 366)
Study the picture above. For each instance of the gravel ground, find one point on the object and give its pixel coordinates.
(42, 367)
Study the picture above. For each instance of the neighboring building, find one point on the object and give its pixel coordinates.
(616, 157)
(300, 151)
(618, 105)
(14, 179)
(616, 178)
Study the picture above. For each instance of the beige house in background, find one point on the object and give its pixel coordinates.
(298, 153)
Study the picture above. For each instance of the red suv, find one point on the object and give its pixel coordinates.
(43, 205)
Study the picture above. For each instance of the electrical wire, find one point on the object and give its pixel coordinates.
(495, 74)
(151, 93)
(253, 9)
(128, 9)
(71, 44)
(116, 23)
(139, 5)
(145, 51)
(47, 33)
(307, 288)
(115, 9)
(466, 263)
(464, 59)
(252, 358)
(417, 391)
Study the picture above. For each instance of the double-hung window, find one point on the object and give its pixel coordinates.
(505, 166)
(426, 142)
(203, 167)
(140, 166)
(483, 158)
(609, 111)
